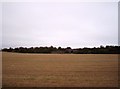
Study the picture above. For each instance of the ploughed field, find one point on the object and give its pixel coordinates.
(59, 70)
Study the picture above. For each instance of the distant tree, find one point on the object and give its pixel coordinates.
(101, 46)
(59, 48)
(68, 48)
(51, 49)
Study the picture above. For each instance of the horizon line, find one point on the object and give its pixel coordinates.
(61, 46)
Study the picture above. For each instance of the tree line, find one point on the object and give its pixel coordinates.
(68, 50)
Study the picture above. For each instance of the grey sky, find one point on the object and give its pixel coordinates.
(60, 24)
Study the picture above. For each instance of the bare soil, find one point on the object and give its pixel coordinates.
(59, 70)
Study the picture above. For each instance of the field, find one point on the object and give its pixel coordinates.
(59, 70)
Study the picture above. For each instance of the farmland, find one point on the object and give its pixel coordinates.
(59, 70)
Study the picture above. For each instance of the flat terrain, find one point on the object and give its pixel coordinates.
(60, 70)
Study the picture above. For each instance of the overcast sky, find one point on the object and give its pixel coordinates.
(85, 24)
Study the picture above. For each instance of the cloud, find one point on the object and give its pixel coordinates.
(60, 24)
